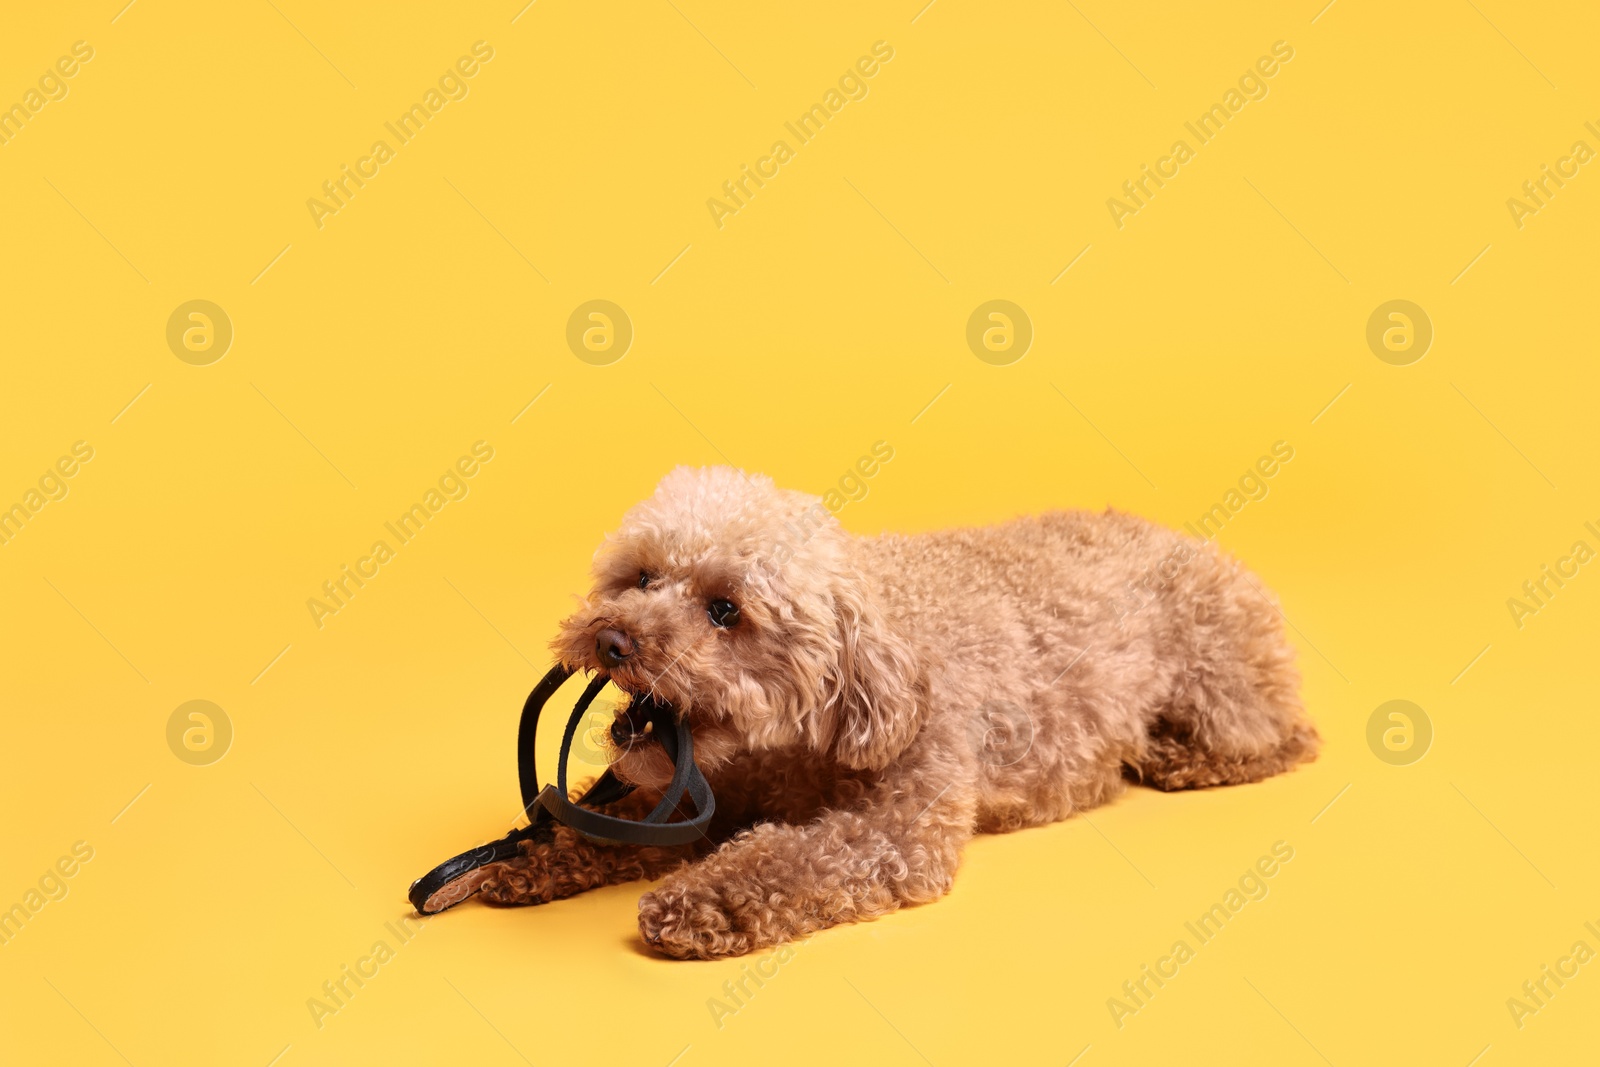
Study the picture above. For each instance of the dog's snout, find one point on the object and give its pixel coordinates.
(612, 647)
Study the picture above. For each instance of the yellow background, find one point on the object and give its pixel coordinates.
(824, 316)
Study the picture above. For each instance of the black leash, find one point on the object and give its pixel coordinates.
(545, 805)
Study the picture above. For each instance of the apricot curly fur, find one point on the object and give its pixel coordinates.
(882, 699)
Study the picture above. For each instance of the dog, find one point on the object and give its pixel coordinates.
(862, 706)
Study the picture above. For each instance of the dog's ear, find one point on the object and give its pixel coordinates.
(875, 700)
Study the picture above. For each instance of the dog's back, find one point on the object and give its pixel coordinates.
(1114, 641)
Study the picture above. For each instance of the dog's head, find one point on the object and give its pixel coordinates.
(743, 606)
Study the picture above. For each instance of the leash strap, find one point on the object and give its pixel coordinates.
(546, 804)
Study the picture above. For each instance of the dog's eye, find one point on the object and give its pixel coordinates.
(723, 613)
(644, 580)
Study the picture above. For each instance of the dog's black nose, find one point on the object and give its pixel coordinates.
(612, 647)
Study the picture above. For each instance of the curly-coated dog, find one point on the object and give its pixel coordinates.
(863, 705)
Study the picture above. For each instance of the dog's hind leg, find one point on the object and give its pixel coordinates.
(1234, 715)
(1180, 757)
(1059, 754)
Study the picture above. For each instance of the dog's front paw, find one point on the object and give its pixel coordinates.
(519, 880)
(524, 879)
(691, 921)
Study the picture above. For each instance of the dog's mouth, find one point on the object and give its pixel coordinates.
(631, 725)
(637, 753)
(632, 722)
